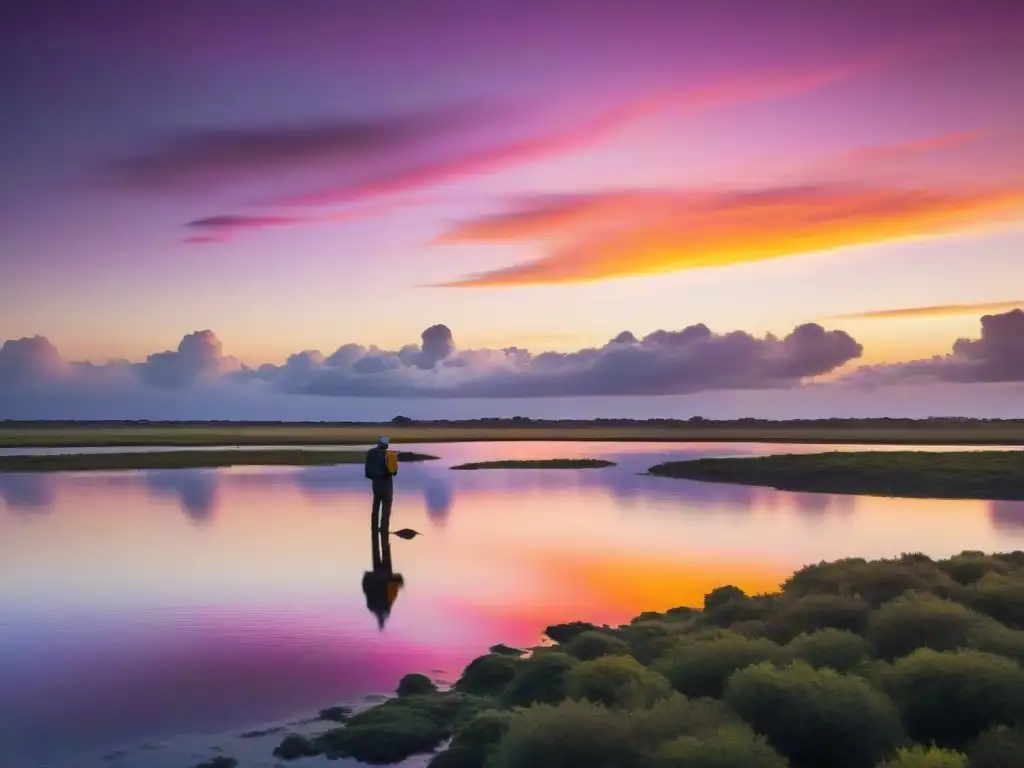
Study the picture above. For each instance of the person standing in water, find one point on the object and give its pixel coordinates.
(381, 468)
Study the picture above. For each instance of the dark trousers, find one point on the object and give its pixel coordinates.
(380, 518)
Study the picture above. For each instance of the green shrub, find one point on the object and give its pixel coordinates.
(732, 747)
(295, 745)
(590, 645)
(649, 640)
(925, 757)
(921, 621)
(728, 605)
(999, 747)
(399, 728)
(573, 734)
(676, 716)
(488, 675)
(949, 698)
(474, 741)
(721, 596)
(581, 734)
(752, 628)
(415, 685)
(876, 582)
(969, 567)
(992, 637)
(1014, 559)
(506, 650)
(834, 648)
(483, 731)
(815, 717)
(617, 681)
(802, 615)
(563, 633)
(998, 596)
(541, 679)
(701, 668)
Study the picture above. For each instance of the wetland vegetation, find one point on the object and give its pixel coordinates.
(949, 475)
(902, 663)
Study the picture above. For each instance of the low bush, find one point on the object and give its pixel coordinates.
(949, 698)
(415, 685)
(802, 615)
(572, 734)
(816, 717)
(836, 649)
(731, 747)
(541, 679)
(617, 681)
(701, 668)
(593, 645)
(922, 621)
(999, 747)
(488, 675)
(926, 757)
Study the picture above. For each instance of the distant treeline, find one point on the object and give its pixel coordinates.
(523, 421)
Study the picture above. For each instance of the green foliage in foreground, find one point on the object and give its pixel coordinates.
(903, 663)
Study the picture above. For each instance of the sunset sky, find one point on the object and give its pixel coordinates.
(540, 175)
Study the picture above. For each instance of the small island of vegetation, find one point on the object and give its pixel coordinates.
(902, 663)
(84, 462)
(538, 464)
(948, 475)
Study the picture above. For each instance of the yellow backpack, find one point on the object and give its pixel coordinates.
(391, 461)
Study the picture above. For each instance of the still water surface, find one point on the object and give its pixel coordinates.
(139, 606)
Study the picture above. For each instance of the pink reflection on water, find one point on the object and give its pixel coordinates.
(144, 603)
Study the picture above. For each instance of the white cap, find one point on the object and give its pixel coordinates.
(384, 441)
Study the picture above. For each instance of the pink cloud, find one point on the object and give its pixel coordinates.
(521, 151)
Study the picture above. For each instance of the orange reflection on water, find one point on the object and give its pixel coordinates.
(614, 588)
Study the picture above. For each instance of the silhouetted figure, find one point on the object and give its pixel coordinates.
(381, 468)
(382, 584)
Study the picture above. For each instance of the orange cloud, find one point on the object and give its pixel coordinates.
(938, 310)
(659, 233)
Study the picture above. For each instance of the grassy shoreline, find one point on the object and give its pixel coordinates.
(537, 464)
(99, 462)
(990, 475)
(842, 666)
(869, 431)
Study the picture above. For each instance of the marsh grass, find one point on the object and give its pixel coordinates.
(920, 474)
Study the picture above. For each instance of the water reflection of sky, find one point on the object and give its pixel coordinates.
(135, 604)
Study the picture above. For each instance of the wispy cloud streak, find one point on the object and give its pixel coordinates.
(937, 310)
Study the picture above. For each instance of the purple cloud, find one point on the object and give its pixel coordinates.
(222, 156)
(198, 377)
(996, 356)
(665, 362)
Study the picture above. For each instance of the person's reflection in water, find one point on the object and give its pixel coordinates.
(382, 584)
